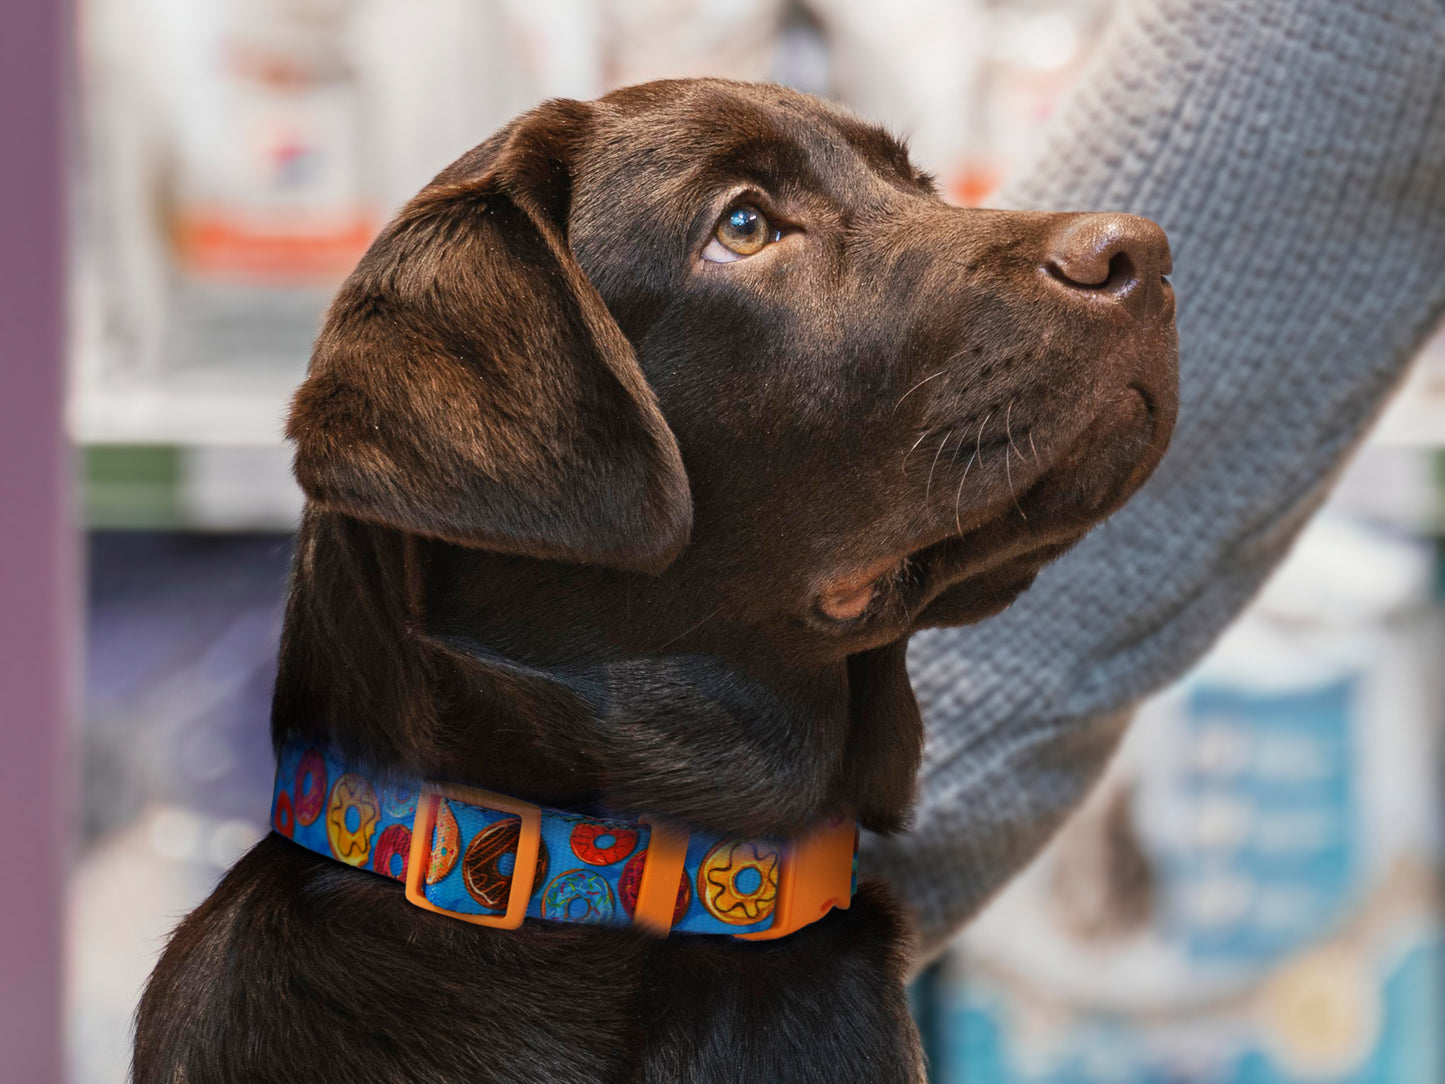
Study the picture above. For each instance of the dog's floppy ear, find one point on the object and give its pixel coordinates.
(470, 385)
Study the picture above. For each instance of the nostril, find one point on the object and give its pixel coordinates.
(1107, 277)
(1120, 256)
(1121, 272)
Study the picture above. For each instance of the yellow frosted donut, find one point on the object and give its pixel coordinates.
(351, 815)
(738, 882)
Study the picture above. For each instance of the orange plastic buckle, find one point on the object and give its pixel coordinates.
(817, 875)
(661, 874)
(524, 868)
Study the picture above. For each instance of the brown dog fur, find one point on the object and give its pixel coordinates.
(593, 520)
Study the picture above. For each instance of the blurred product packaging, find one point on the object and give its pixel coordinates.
(1031, 52)
(268, 168)
(1251, 895)
(268, 201)
(230, 190)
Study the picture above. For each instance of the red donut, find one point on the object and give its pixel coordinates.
(395, 842)
(630, 883)
(284, 818)
(310, 786)
(585, 843)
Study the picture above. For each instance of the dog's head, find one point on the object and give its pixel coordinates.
(709, 370)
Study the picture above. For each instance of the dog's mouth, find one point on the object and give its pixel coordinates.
(902, 589)
(964, 571)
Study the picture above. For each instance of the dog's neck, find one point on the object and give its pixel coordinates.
(536, 680)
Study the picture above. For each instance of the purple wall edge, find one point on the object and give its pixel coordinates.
(38, 552)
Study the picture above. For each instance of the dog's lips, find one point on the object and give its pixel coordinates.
(896, 591)
(997, 566)
(848, 595)
(900, 585)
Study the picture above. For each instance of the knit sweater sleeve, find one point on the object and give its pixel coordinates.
(1294, 151)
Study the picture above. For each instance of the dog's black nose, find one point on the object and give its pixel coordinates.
(1122, 256)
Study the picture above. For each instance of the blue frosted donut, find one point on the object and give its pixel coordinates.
(579, 895)
(398, 800)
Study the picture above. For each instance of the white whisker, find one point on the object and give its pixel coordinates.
(941, 445)
(1008, 430)
(910, 451)
(978, 440)
(1009, 475)
(977, 450)
(958, 496)
(913, 389)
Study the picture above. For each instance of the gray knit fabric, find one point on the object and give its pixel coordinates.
(1294, 150)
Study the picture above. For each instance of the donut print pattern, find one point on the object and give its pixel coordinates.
(446, 844)
(283, 817)
(602, 844)
(310, 788)
(738, 881)
(579, 895)
(630, 883)
(351, 816)
(393, 848)
(725, 887)
(487, 867)
(398, 800)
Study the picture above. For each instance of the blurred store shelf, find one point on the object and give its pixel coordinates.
(189, 487)
(188, 447)
(233, 409)
(201, 447)
(234, 413)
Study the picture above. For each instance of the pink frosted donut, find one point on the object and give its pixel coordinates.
(310, 788)
(630, 883)
(394, 843)
(284, 819)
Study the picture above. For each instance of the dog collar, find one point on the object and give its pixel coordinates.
(492, 860)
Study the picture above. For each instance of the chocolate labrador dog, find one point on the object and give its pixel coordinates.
(635, 449)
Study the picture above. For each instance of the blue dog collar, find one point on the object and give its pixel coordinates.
(459, 849)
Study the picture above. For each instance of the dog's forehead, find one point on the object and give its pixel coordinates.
(678, 135)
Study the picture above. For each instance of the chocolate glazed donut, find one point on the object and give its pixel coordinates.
(481, 872)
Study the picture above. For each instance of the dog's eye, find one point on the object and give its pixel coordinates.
(742, 231)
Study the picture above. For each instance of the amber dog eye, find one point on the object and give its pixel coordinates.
(742, 231)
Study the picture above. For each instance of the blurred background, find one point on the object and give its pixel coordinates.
(1251, 897)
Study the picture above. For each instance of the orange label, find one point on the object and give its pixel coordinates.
(211, 243)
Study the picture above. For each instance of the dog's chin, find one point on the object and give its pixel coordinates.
(974, 598)
(963, 578)
(968, 577)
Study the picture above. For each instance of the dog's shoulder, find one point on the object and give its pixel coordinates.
(297, 968)
(826, 1004)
